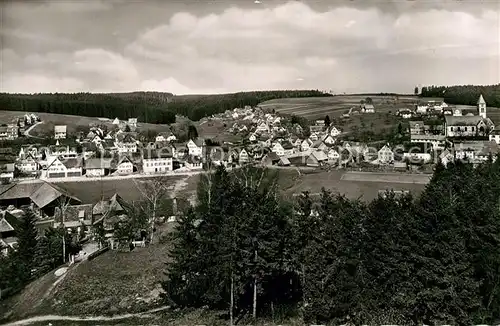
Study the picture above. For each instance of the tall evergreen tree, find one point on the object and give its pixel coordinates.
(27, 244)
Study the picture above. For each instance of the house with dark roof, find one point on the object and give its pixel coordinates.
(495, 135)
(126, 142)
(106, 214)
(97, 167)
(270, 158)
(316, 158)
(75, 218)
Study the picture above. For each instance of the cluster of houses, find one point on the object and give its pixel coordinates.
(101, 153)
(54, 207)
(460, 136)
(13, 130)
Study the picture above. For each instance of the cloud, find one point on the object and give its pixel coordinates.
(33, 83)
(37, 37)
(274, 47)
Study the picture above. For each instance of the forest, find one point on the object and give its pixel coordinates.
(433, 259)
(150, 107)
(465, 94)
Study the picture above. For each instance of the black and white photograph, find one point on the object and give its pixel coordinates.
(249, 162)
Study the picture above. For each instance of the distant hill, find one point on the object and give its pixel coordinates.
(151, 107)
(464, 94)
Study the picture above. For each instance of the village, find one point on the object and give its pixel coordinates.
(266, 139)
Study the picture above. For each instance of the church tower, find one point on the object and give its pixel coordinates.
(481, 107)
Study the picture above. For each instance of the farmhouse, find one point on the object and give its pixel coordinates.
(270, 159)
(278, 149)
(195, 147)
(27, 164)
(125, 166)
(316, 158)
(262, 127)
(60, 132)
(305, 145)
(64, 168)
(368, 108)
(97, 167)
(446, 157)
(243, 157)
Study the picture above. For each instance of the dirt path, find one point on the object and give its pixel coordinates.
(27, 131)
(48, 318)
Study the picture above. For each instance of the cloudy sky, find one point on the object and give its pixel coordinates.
(204, 46)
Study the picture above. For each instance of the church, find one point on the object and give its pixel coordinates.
(469, 125)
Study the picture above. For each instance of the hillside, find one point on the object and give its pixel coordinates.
(150, 107)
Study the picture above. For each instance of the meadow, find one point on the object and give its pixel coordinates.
(74, 123)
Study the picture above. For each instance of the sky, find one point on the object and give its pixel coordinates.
(221, 46)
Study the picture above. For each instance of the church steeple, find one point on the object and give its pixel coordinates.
(481, 107)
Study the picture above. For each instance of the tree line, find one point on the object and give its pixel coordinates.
(150, 107)
(432, 259)
(464, 94)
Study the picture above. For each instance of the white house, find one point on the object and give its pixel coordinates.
(243, 157)
(368, 108)
(305, 145)
(328, 139)
(412, 156)
(422, 108)
(132, 122)
(116, 121)
(125, 166)
(333, 131)
(495, 136)
(313, 137)
(262, 127)
(252, 137)
(333, 155)
(156, 162)
(63, 168)
(27, 164)
(446, 157)
(278, 149)
(59, 132)
(385, 155)
(165, 137)
(195, 148)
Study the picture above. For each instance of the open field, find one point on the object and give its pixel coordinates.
(73, 122)
(353, 188)
(386, 177)
(92, 192)
(335, 106)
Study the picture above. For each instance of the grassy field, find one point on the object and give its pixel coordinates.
(365, 188)
(91, 192)
(73, 122)
(335, 106)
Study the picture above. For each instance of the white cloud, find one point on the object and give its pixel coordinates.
(31, 83)
(286, 46)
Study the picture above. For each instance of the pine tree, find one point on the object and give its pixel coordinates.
(27, 245)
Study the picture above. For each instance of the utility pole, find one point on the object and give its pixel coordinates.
(63, 237)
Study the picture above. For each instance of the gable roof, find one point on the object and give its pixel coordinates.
(462, 120)
(47, 193)
(5, 226)
(272, 156)
(319, 155)
(72, 163)
(97, 163)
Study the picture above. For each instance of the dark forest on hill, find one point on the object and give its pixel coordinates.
(150, 107)
(464, 94)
